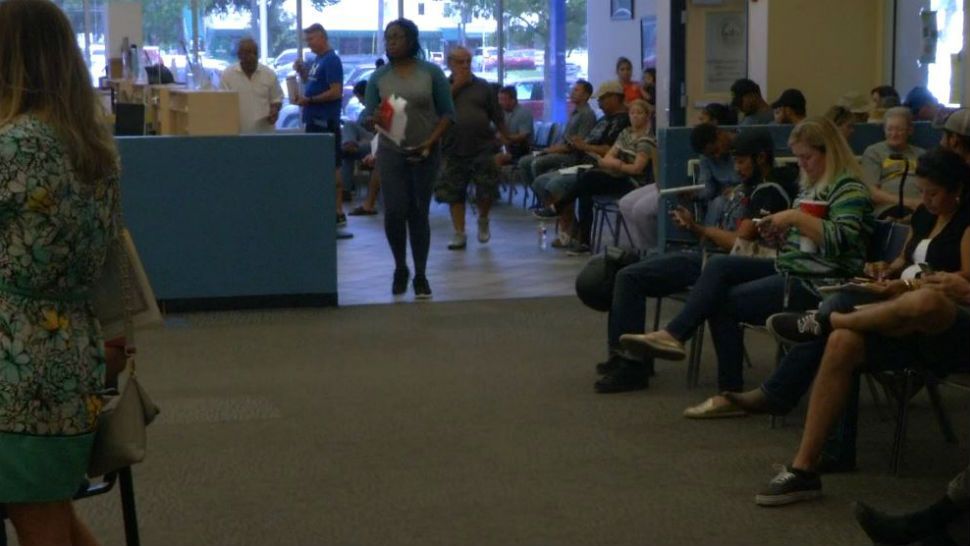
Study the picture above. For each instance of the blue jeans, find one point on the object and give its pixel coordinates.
(733, 290)
(653, 277)
(533, 166)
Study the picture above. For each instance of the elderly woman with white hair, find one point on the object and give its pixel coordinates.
(884, 163)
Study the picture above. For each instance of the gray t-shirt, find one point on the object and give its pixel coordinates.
(519, 122)
(428, 97)
(476, 114)
(885, 173)
(579, 124)
(764, 117)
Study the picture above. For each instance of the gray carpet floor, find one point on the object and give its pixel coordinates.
(470, 423)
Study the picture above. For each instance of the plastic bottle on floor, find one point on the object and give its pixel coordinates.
(543, 236)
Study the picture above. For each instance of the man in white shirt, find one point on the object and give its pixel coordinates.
(260, 95)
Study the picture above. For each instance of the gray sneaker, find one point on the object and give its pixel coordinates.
(483, 232)
(789, 486)
(458, 241)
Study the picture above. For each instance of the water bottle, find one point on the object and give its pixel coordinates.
(543, 239)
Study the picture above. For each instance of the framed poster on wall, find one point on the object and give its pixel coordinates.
(621, 10)
(726, 50)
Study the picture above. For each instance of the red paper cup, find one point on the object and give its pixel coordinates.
(817, 209)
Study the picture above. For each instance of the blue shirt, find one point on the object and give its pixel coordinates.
(324, 71)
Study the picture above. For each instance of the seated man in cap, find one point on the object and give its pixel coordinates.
(922, 103)
(956, 132)
(790, 107)
(746, 97)
(551, 186)
(664, 274)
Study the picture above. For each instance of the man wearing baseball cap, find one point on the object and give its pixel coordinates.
(790, 107)
(746, 98)
(956, 133)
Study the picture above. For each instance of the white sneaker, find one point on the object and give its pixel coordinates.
(458, 241)
(484, 235)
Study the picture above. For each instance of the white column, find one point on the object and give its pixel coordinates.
(965, 57)
(263, 29)
(299, 29)
(663, 59)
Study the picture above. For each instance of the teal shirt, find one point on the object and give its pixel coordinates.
(846, 232)
(428, 96)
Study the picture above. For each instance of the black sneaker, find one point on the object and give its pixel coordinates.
(400, 284)
(617, 360)
(628, 376)
(341, 220)
(789, 486)
(578, 249)
(795, 328)
(422, 290)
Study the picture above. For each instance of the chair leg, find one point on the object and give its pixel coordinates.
(656, 315)
(130, 515)
(876, 398)
(902, 415)
(776, 420)
(942, 418)
(694, 362)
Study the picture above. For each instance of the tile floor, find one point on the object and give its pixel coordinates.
(511, 265)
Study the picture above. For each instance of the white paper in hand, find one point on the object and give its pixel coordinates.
(392, 120)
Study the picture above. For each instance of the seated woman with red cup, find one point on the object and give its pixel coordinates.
(733, 290)
(939, 241)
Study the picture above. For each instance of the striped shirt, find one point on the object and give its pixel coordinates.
(846, 230)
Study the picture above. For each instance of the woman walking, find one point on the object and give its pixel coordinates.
(58, 193)
(408, 168)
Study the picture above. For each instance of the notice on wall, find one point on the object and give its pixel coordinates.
(726, 51)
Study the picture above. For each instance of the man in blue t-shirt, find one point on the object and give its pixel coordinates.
(321, 100)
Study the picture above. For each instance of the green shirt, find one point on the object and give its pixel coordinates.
(846, 230)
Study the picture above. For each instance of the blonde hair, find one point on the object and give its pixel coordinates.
(42, 73)
(639, 103)
(822, 134)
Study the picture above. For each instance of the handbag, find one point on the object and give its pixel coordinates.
(120, 439)
(110, 304)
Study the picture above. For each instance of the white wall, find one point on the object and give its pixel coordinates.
(611, 39)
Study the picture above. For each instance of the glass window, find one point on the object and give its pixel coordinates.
(949, 43)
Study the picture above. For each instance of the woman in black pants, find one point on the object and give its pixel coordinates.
(408, 167)
(626, 167)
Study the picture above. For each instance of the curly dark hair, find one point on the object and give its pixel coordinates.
(411, 33)
(946, 169)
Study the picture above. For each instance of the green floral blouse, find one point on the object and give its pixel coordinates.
(54, 234)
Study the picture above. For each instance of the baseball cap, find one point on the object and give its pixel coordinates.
(919, 97)
(958, 122)
(855, 102)
(740, 88)
(609, 87)
(752, 142)
(793, 98)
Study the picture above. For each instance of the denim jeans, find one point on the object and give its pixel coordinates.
(591, 183)
(652, 277)
(532, 166)
(733, 290)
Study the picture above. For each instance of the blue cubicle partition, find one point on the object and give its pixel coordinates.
(674, 152)
(233, 222)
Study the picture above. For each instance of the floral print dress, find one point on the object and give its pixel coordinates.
(54, 234)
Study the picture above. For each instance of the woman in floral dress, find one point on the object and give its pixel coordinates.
(58, 193)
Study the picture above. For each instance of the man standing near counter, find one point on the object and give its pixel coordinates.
(322, 96)
(260, 95)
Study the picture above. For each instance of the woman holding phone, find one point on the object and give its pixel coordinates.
(831, 243)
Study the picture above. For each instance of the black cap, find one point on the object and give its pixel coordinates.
(792, 98)
(742, 87)
(752, 142)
